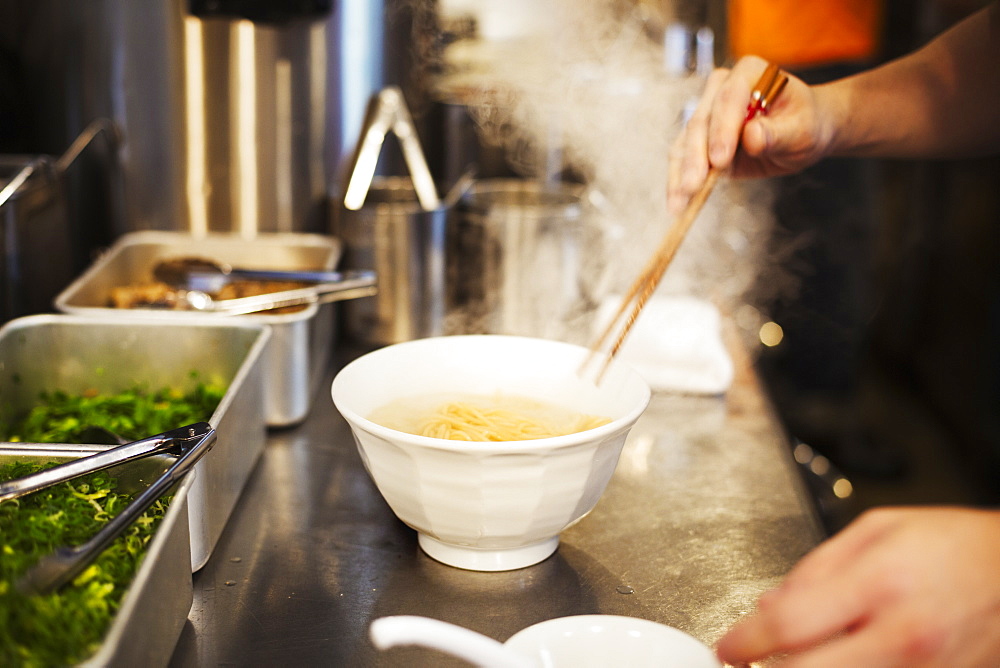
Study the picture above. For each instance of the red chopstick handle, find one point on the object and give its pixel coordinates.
(765, 90)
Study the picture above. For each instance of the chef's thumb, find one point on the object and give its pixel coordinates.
(758, 137)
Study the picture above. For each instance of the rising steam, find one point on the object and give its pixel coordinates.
(587, 83)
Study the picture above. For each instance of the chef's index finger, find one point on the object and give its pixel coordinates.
(729, 110)
(790, 619)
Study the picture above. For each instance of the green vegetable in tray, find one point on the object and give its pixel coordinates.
(136, 413)
(68, 626)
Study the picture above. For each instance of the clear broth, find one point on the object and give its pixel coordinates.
(498, 417)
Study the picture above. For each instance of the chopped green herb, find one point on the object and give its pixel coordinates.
(68, 626)
(60, 417)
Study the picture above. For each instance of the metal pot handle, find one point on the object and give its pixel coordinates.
(390, 113)
(96, 127)
(39, 164)
(52, 168)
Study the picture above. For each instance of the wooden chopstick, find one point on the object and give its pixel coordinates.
(764, 92)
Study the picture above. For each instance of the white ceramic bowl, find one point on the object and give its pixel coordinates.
(610, 640)
(578, 641)
(489, 506)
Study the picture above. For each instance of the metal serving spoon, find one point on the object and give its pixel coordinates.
(205, 275)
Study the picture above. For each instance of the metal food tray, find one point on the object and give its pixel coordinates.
(79, 353)
(301, 342)
(155, 607)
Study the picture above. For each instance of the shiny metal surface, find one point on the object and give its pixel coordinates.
(146, 447)
(36, 255)
(704, 512)
(526, 261)
(389, 113)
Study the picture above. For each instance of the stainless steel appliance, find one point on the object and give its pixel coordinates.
(234, 113)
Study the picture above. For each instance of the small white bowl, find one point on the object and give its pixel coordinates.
(489, 506)
(610, 640)
(578, 641)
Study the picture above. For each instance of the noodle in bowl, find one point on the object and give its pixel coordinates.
(488, 505)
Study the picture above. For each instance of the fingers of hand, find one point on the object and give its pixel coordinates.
(827, 592)
(677, 191)
(713, 132)
(689, 153)
(842, 550)
(688, 169)
(846, 583)
(897, 587)
(755, 137)
(886, 642)
(728, 113)
(792, 618)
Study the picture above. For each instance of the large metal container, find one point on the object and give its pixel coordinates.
(80, 353)
(154, 609)
(405, 245)
(524, 260)
(301, 342)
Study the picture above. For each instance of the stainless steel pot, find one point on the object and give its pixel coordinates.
(405, 245)
(523, 260)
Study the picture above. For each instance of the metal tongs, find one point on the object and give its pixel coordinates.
(188, 444)
(389, 112)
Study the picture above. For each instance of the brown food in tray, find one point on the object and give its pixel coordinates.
(145, 295)
(155, 294)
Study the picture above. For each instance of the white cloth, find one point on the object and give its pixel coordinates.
(675, 344)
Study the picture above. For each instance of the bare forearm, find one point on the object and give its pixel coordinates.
(940, 101)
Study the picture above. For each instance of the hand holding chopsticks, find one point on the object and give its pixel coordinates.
(764, 93)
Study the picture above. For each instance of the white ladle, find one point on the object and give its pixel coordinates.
(578, 641)
(458, 641)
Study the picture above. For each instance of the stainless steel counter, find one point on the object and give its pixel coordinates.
(704, 512)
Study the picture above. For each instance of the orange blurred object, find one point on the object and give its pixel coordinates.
(797, 33)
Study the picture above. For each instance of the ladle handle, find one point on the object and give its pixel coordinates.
(457, 641)
(42, 163)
